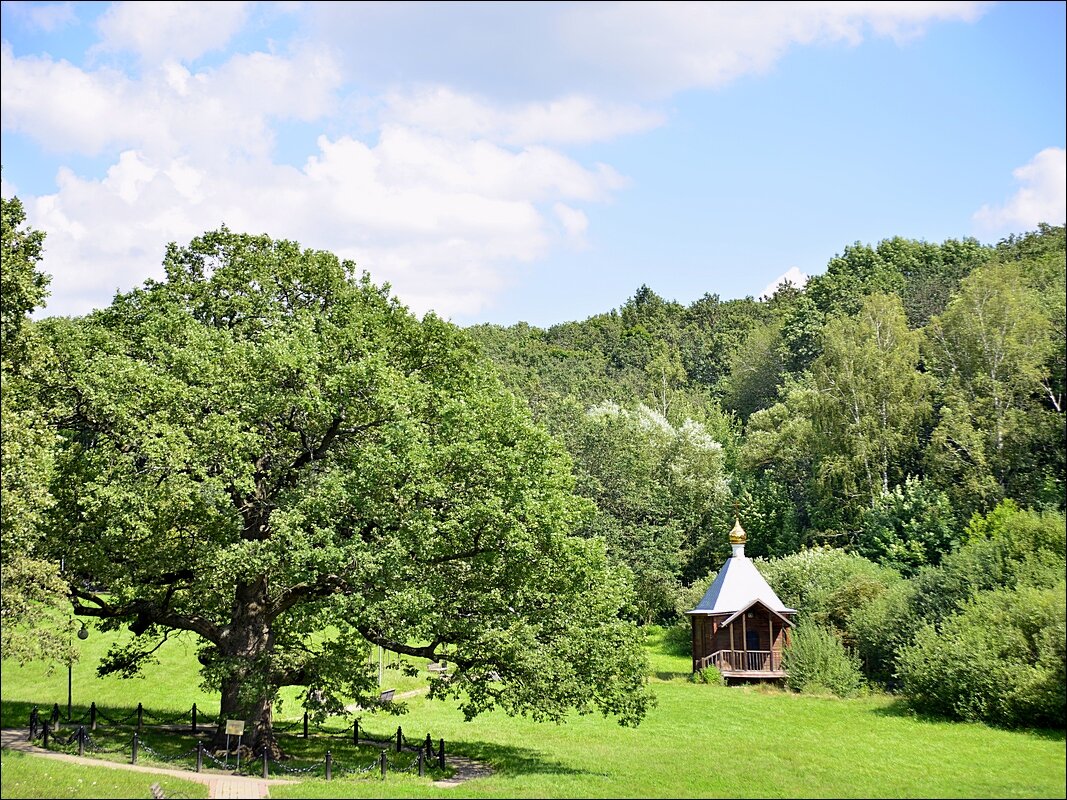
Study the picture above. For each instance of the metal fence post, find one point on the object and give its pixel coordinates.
(194, 719)
(92, 717)
(355, 733)
(266, 773)
(55, 714)
(305, 724)
(81, 740)
(199, 756)
(384, 762)
(399, 738)
(44, 741)
(133, 757)
(329, 765)
(441, 755)
(422, 763)
(428, 745)
(140, 716)
(33, 723)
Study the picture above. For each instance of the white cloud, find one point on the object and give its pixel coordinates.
(1041, 198)
(47, 17)
(218, 113)
(446, 187)
(623, 50)
(440, 220)
(793, 275)
(164, 31)
(671, 46)
(569, 119)
(573, 220)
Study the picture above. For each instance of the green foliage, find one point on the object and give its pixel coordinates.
(872, 400)
(755, 371)
(880, 627)
(1004, 550)
(708, 675)
(22, 286)
(817, 663)
(1000, 660)
(908, 527)
(32, 595)
(771, 518)
(827, 585)
(1009, 548)
(657, 487)
(990, 351)
(264, 444)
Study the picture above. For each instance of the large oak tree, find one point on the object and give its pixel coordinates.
(269, 452)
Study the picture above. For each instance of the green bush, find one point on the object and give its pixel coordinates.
(709, 675)
(826, 585)
(881, 627)
(818, 662)
(1007, 548)
(1000, 659)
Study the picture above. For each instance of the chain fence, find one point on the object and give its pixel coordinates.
(51, 736)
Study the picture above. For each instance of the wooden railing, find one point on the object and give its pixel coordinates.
(727, 661)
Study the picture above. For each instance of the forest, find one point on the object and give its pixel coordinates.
(892, 436)
(265, 446)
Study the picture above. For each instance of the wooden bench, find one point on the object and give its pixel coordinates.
(386, 697)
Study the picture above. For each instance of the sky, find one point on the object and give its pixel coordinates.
(537, 162)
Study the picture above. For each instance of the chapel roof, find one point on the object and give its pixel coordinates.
(738, 584)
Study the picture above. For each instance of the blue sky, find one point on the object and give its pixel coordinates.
(529, 161)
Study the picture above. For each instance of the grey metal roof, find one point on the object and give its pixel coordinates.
(736, 586)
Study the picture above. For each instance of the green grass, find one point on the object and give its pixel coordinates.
(700, 740)
(30, 776)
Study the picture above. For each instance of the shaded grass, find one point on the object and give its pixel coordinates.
(25, 775)
(167, 687)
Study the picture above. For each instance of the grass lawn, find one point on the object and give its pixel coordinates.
(699, 741)
(30, 776)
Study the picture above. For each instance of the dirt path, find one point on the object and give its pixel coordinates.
(466, 769)
(219, 785)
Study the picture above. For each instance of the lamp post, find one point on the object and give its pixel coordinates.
(82, 634)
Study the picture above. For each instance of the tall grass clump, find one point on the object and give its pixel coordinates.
(817, 663)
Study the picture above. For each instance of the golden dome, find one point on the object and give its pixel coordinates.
(737, 533)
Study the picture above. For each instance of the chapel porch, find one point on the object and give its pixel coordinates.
(758, 664)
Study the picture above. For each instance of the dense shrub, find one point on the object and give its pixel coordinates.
(879, 628)
(826, 585)
(818, 662)
(1000, 659)
(1006, 548)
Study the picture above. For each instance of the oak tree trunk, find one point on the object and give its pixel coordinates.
(247, 691)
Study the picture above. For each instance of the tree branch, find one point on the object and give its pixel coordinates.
(144, 613)
(300, 592)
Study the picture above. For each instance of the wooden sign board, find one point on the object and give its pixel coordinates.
(235, 727)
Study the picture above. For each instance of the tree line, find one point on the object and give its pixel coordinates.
(265, 445)
(877, 409)
(892, 435)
